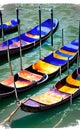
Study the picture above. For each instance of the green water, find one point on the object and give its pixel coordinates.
(63, 116)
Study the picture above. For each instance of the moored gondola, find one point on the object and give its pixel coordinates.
(64, 90)
(56, 61)
(43, 69)
(9, 27)
(29, 39)
(32, 80)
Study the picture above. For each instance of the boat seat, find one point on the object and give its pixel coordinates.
(29, 75)
(67, 52)
(75, 42)
(48, 98)
(44, 67)
(67, 89)
(19, 83)
(63, 54)
(71, 49)
(60, 57)
(55, 61)
(14, 21)
(45, 28)
(71, 81)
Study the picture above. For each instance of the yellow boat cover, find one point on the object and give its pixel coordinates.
(72, 81)
(48, 98)
(60, 57)
(8, 23)
(44, 67)
(68, 89)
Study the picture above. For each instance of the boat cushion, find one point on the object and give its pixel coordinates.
(55, 61)
(44, 67)
(69, 48)
(67, 52)
(29, 75)
(48, 98)
(68, 89)
(19, 83)
(75, 42)
(75, 82)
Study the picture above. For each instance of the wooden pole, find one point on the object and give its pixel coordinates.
(40, 28)
(78, 55)
(79, 38)
(62, 38)
(68, 65)
(70, 100)
(60, 72)
(17, 15)
(77, 60)
(8, 55)
(52, 28)
(2, 30)
(79, 45)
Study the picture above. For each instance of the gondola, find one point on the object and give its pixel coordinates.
(7, 87)
(9, 27)
(43, 70)
(29, 39)
(56, 61)
(64, 90)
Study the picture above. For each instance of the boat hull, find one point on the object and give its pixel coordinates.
(32, 105)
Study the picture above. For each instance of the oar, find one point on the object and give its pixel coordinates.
(11, 71)
(17, 15)
(40, 28)
(13, 112)
(52, 28)
(2, 25)
(10, 116)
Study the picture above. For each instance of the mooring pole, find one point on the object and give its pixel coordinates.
(62, 37)
(68, 65)
(78, 55)
(2, 30)
(17, 15)
(70, 100)
(60, 72)
(79, 38)
(40, 28)
(8, 55)
(52, 28)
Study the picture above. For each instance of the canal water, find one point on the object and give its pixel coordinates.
(64, 116)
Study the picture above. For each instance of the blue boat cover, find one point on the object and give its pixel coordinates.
(70, 48)
(52, 60)
(75, 42)
(62, 54)
(45, 27)
(13, 23)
